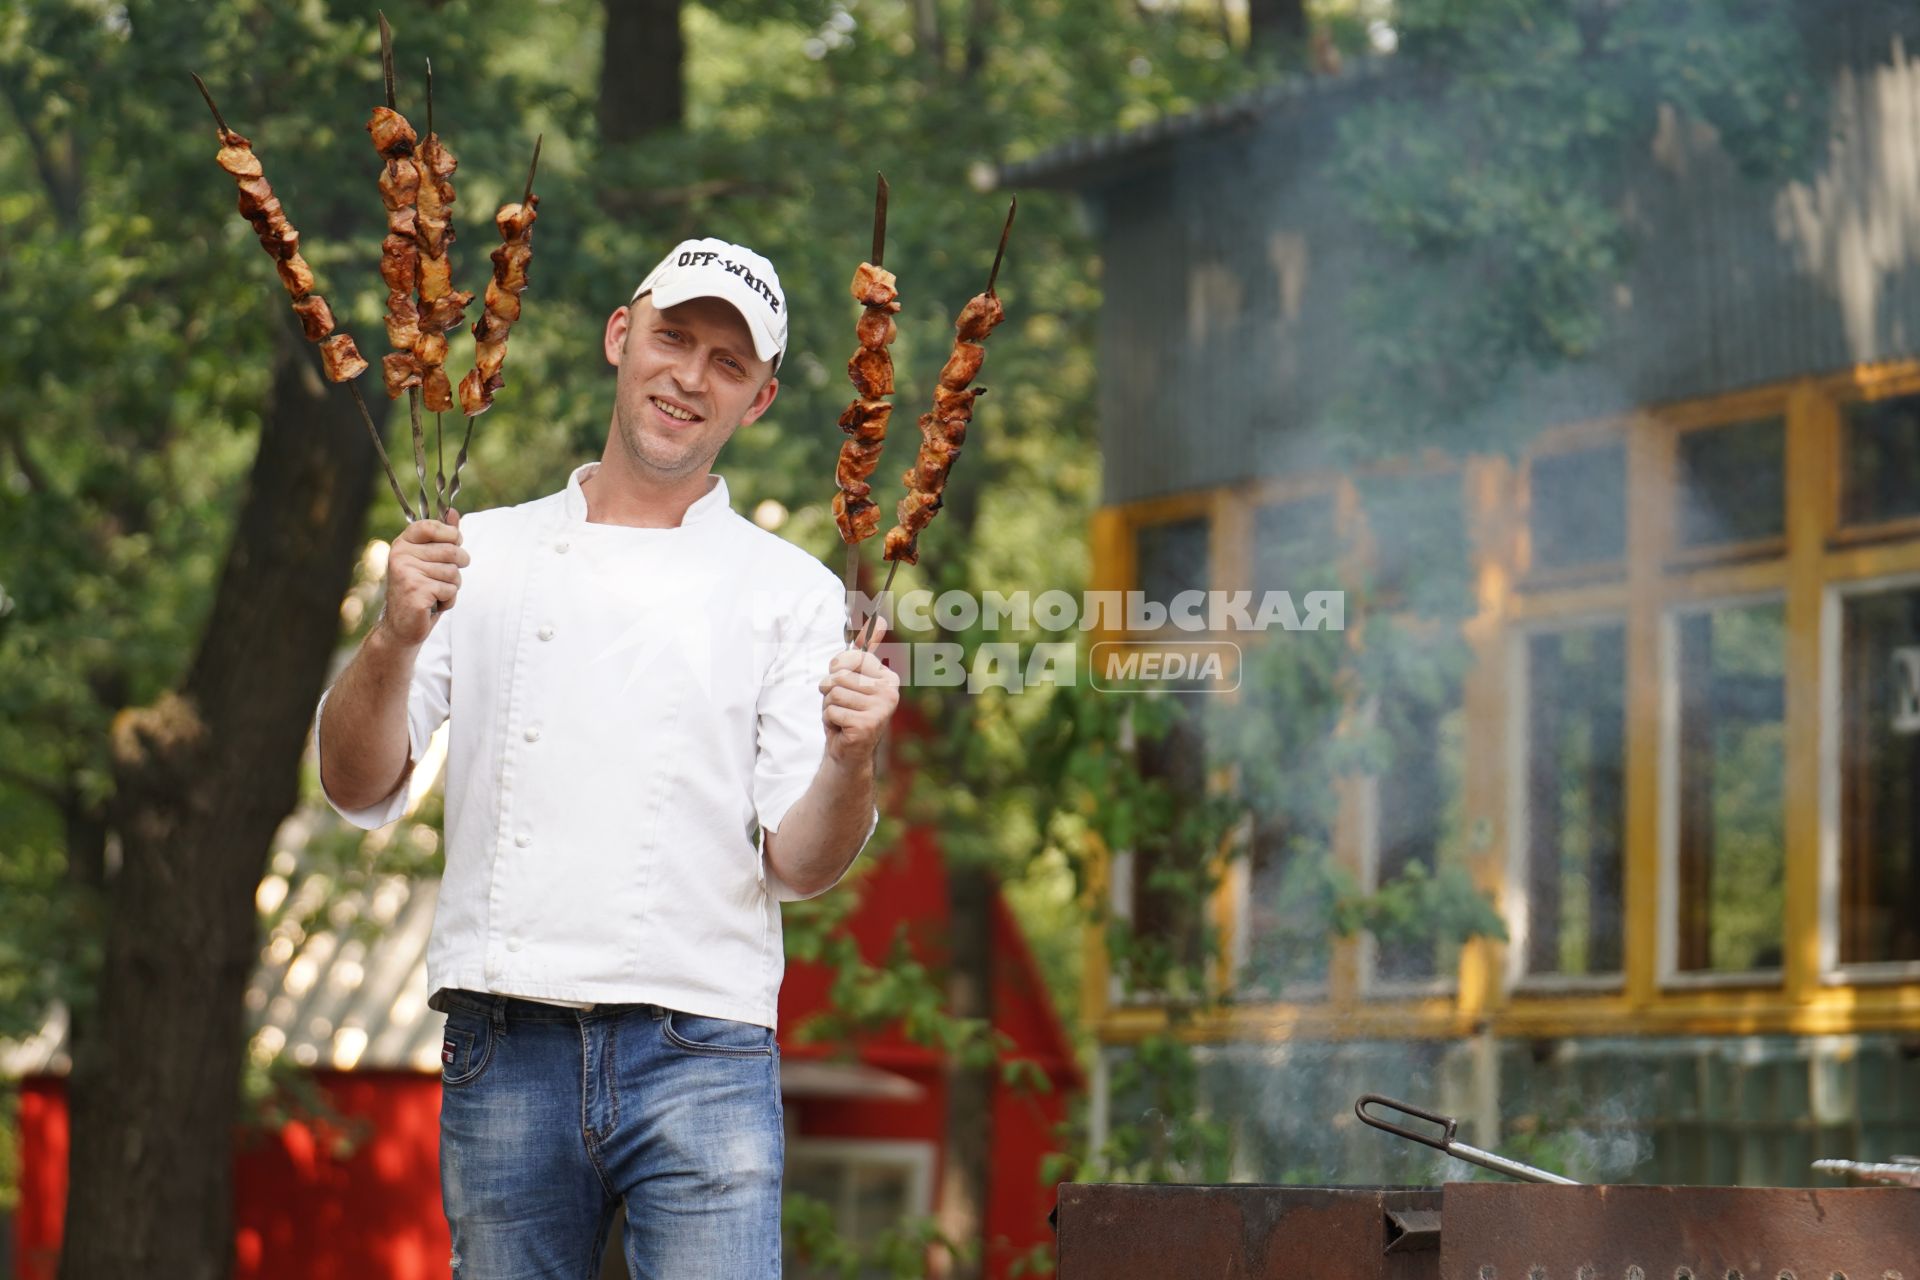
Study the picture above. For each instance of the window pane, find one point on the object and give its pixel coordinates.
(879, 1200)
(1732, 483)
(1166, 908)
(1289, 907)
(866, 1197)
(1420, 822)
(1419, 534)
(1575, 800)
(1578, 512)
(1732, 776)
(1882, 460)
(1277, 738)
(1172, 559)
(1296, 547)
(1880, 778)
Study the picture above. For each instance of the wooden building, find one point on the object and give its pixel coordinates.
(1685, 759)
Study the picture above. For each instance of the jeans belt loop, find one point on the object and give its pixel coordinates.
(499, 1014)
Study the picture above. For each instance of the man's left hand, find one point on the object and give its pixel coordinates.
(861, 694)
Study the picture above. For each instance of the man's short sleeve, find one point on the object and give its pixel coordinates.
(792, 738)
(429, 698)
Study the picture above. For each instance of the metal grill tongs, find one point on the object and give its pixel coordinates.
(1443, 1140)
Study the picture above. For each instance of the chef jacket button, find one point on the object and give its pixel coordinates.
(561, 547)
(513, 942)
(523, 839)
(533, 735)
(546, 633)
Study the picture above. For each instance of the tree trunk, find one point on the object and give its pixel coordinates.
(1276, 29)
(980, 36)
(970, 1078)
(927, 36)
(643, 83)
(203, 779)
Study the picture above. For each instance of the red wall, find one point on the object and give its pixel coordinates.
(300, 1212)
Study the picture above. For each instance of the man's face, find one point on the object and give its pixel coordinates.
(688, 377)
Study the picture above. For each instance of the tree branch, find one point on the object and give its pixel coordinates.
(52, 793)
(63, 187)
(17, 445)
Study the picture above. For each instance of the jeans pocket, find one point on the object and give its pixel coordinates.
(719, 1037)
(466, 1047)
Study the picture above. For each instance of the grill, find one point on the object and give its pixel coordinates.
(1485, 1230)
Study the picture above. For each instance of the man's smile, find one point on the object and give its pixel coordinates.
(674, 410)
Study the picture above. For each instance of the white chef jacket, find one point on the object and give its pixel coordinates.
(629, 709)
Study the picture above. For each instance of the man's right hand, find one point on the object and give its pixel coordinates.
(423, 570)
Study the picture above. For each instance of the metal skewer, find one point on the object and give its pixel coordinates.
(386, 464)
(1013, 205)
(1443, 1140)
(533, 167)
(867, 628)
(386, 56)
(218, 119)
(453, 489)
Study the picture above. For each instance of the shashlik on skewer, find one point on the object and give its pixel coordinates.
(394, 138)
(944, 430)
(416, 188)
(865, 417)
(442, 306)
(340, 359)
(500, 313)
(261, 208)
(502, 303)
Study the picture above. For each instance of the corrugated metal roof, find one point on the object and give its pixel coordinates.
(351, 994)
(1077, 162)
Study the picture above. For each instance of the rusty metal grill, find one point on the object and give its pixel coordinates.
(1302, 1233)
(1487, 1231)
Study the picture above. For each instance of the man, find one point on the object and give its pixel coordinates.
(656, 736)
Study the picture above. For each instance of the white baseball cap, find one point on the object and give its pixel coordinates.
(710, 268)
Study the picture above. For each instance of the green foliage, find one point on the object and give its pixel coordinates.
(813, 1242)
(1165, 1133)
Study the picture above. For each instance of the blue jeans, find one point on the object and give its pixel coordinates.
(553, 1119)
